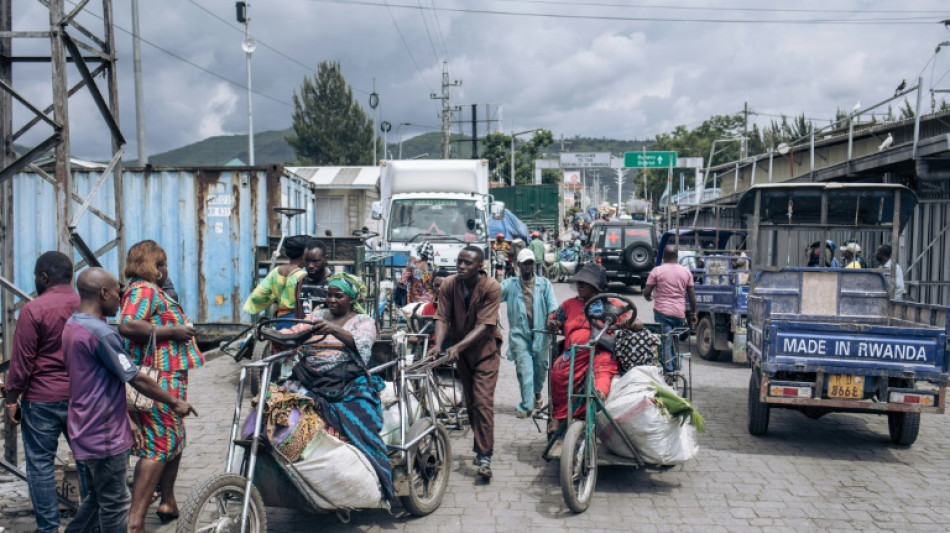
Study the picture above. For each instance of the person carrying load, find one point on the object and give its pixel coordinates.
(280, 285)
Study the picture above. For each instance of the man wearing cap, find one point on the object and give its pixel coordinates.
(671, 282)
(468, 314)
(530, 299)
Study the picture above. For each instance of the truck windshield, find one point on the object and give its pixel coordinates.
(420, 219)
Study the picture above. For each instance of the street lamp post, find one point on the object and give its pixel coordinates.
(513, 135)
(248, 45)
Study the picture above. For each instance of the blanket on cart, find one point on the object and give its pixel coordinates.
(359, 416)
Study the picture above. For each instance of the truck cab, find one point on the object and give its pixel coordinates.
(444, 202)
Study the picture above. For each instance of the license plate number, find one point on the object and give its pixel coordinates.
(845, 386)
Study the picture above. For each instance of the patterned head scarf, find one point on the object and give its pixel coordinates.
(351, 286)
(424, 251)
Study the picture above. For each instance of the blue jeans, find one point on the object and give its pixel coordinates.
(107, 504)
(668, 355)
(43, 423)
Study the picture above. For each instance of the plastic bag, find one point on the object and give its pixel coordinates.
(660, 438)
(339, 474)
(390, 429)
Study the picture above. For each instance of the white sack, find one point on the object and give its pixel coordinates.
(339, 474)
(659, 438)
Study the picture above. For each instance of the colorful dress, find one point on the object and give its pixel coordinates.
(419, 281)
(577, 332)
(164, 430)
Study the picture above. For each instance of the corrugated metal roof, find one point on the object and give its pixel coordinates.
(338, 177)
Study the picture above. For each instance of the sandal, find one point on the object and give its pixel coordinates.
(554, 425)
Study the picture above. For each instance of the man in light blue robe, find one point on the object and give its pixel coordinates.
(530, 299)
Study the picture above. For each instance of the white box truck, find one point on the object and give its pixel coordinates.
(443, 201)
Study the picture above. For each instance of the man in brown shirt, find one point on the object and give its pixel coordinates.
(468, 310)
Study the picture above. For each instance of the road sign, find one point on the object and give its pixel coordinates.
(585, 160)
(649, 159)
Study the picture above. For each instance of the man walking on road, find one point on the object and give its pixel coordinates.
(530, 299)
(468, 312)
(99, 429)
(38, 384)
(537, 246)
(671, 282)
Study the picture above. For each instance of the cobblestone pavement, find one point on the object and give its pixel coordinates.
(838, 473)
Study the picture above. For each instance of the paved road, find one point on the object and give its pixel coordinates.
(838, 473)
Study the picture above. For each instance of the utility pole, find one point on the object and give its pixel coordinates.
(474, 131)
(373, 104)
(745, 130)
(446, 108)
(139, 90)
(248, 45)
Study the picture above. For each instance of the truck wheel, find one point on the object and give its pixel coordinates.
(903, 427)
(758, 411)
(704, 339)
(638, 256)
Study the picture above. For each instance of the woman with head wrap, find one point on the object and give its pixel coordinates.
(280, 284)
(333, 372)
(418, 275)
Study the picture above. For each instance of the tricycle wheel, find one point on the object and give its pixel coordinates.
(429, 463)
(262, 349)
(758, 411)
(903, 427)
(704, 339)
(578, 467)
(215, 506)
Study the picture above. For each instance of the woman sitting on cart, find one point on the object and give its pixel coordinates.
(333, 372)
(570, 320)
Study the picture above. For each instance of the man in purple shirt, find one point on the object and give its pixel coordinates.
(98, 421)
(38, 381)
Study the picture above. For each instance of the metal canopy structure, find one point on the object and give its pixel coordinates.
(92, 55)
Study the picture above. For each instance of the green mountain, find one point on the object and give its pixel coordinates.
(269, 148)
(272, 148)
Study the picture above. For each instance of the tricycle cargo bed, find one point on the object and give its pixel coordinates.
(841, 321)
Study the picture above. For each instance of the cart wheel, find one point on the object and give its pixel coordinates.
(429, 463)
(262, 349)
(758, 412)
(704, 340)
(216, 504)
(903, 427)
(578, 467)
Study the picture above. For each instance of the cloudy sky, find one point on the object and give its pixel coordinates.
(604, 68)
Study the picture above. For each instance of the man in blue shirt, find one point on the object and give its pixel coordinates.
(98, 420)
(530, 299)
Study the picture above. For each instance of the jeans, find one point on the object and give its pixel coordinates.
(43, 423)
(107, 504)
(668, 351)
(531, 369)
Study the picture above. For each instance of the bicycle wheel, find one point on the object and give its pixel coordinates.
(578, 467)
(430, 463)
(216, 505)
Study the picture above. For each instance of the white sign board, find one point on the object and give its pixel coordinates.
(585, 160)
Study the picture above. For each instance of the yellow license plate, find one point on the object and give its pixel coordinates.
(845, 386)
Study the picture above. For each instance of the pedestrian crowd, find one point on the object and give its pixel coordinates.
(120, 391)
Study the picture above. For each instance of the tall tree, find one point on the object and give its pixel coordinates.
(330, 127)
(497, 150)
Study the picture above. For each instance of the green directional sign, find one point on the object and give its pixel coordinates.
(649, 159)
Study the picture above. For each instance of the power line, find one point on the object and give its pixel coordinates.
(405, 44)
(187, 61)
(262, 43)
(425, 23)
(859, 22)
(716, 8)
(438, 26)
